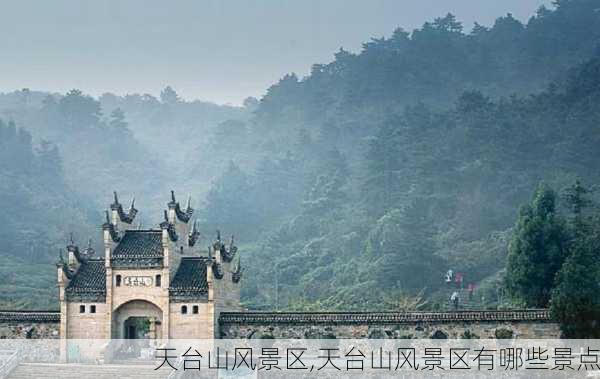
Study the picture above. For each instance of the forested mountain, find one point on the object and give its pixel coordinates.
(360, 185)
(37, 208)
(62, 155)
(384, 169)
(434, 65)
(179, 133)
(137, 144)
(436, 190)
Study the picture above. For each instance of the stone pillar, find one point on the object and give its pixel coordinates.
(109, 303)
(212, 312)
(165, 302)
(210, 281)
(108, 246)
(165, 323)
(63, 315)
(166, 248)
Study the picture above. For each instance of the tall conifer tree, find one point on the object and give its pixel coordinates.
(537, 250)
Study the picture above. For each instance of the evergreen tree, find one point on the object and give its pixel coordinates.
(228, 206)
(400, 245)
(169, 96)
(576, 297)
(49, 163)
(537, 250)
(448, 23)
(381, 187)
(79, 111)
(117, 120)
(277, 187)
(577, 199)
(325, 196)
(251, 103)
(322, 206)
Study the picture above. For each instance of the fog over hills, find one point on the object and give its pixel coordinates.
(366, 176)
(213, 50)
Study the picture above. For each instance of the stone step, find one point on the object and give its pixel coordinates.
(77, 371)
(134, 362)
(464, 303)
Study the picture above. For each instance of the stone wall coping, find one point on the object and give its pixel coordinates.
(29, 316)
(381, 317)
(328, 317)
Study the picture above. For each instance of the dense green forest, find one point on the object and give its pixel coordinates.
(37, 207)
(64, 154)
(356, 187)
(553, 258)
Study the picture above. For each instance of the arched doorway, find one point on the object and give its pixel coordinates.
(137, 319)
(135, 326)
(139, 328)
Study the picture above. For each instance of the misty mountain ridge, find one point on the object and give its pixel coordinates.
(412, 156)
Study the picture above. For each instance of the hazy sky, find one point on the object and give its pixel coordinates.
(217, 50)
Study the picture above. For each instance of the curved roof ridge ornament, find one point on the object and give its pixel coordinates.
(132, 211)
(218, 271)
(89, 250)
(72, 248)
(169, 227)
(194, 234)
(182, 215)
(232, 247)
(114, 234)
(186, 214)
(236, 276)
(61, 258)
(64, 266)
(124, 217)
(227, 253)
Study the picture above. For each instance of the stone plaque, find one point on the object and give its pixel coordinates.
(138, 281)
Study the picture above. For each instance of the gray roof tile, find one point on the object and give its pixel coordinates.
(89, 282)
(189, 281)
(139, 248)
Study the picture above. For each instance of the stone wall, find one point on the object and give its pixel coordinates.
(225, 293)
(23, 324)
(86, 324)
(191, 325)
(481, 324)
(471, 324)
